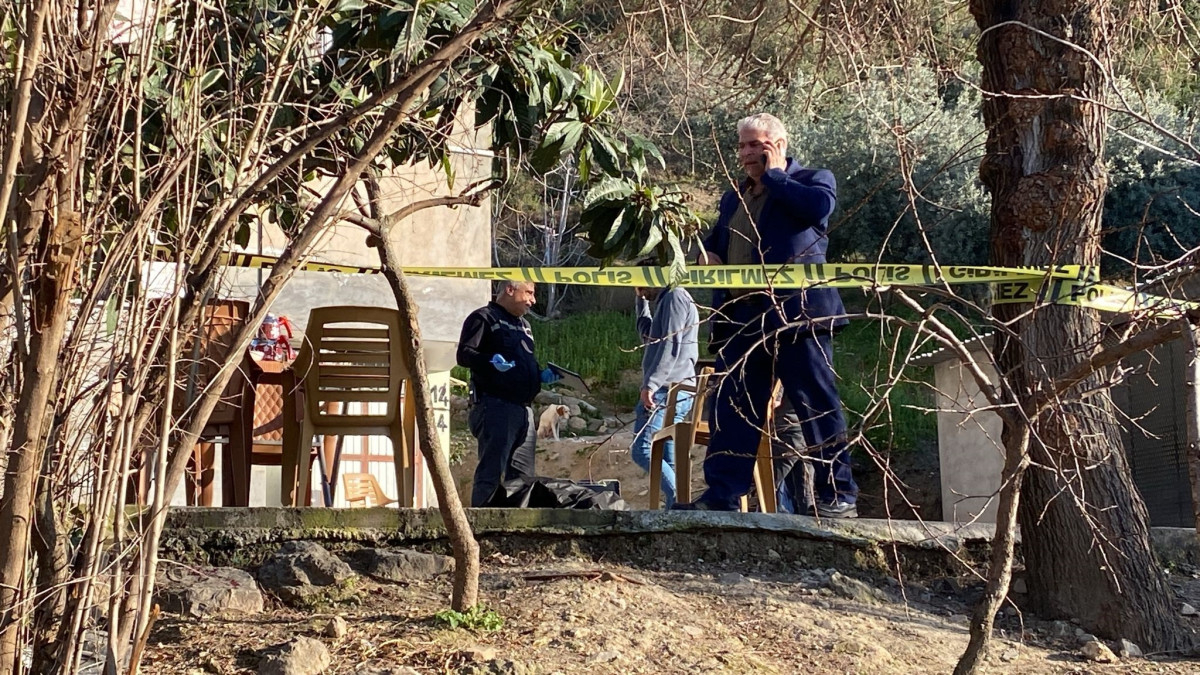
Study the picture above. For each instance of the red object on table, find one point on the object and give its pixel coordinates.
(274, 340)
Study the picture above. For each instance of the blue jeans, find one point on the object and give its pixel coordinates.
(647, 424)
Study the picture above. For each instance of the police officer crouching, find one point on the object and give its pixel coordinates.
(497, 346)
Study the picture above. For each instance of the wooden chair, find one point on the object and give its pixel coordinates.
(222, 319)
(204, 352)
(695, 431)
(764, 463)
(690, 432)
(349, 355)
(361, 487)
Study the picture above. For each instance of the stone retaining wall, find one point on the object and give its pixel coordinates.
(244, 537)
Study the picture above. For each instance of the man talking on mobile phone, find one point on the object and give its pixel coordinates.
(779, 213)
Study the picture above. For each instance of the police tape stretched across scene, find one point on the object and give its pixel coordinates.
(1059, 284)
(836, 275)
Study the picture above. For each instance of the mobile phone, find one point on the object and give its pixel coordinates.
(764, 160)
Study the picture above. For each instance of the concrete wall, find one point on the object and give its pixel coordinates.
(1150, 405)
(433, 237)
(969, 446)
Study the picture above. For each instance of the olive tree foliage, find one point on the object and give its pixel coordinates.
(905, 149)
(1152, 208)
(167, 135)
(905, 146)
(889, 100)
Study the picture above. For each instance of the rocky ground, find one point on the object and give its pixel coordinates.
(373, 612)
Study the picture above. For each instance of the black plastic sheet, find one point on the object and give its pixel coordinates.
(554, 493)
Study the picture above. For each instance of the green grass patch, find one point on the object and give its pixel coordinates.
(478, 618)
(864, 361)
(597, 345)
(601, 345)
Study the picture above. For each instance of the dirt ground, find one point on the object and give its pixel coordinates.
(581, 616)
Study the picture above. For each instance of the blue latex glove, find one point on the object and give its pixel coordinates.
(502, 365)
(549, 376)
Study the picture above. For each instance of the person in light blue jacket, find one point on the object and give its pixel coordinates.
(669, 334)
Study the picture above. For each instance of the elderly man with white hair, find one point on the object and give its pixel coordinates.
(779, 213)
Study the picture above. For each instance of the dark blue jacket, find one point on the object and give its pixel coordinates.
(492, 330)
(793, 227)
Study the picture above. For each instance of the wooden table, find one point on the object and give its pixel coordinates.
(239, 457)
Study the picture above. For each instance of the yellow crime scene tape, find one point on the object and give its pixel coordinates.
(834, 275)
(1094, 295)
(255, 261)
(1059, 284)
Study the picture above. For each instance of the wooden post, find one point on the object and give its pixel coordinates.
(1193, 418)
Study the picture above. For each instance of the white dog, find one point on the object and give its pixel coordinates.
(552, 417)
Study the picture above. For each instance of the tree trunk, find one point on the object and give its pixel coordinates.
(52, 309)
(162, 499)
(1085, 531)
(53, 573)
(1016, 461)
(462, 540)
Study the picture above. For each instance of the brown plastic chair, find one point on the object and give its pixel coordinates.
(205, 351)
(361, 487)
(764, 464)
(350, 355)
(690, 432)
(695, 431)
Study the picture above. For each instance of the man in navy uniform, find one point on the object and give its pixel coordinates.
(778, 214)
(497, 346)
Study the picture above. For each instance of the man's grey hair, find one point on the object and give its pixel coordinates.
(502, 286)
(764, 122)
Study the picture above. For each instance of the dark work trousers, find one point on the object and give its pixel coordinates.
(507, 440)
(751, 362)
(793, 468)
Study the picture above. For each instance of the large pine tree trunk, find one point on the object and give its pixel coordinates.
(1085, 531)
